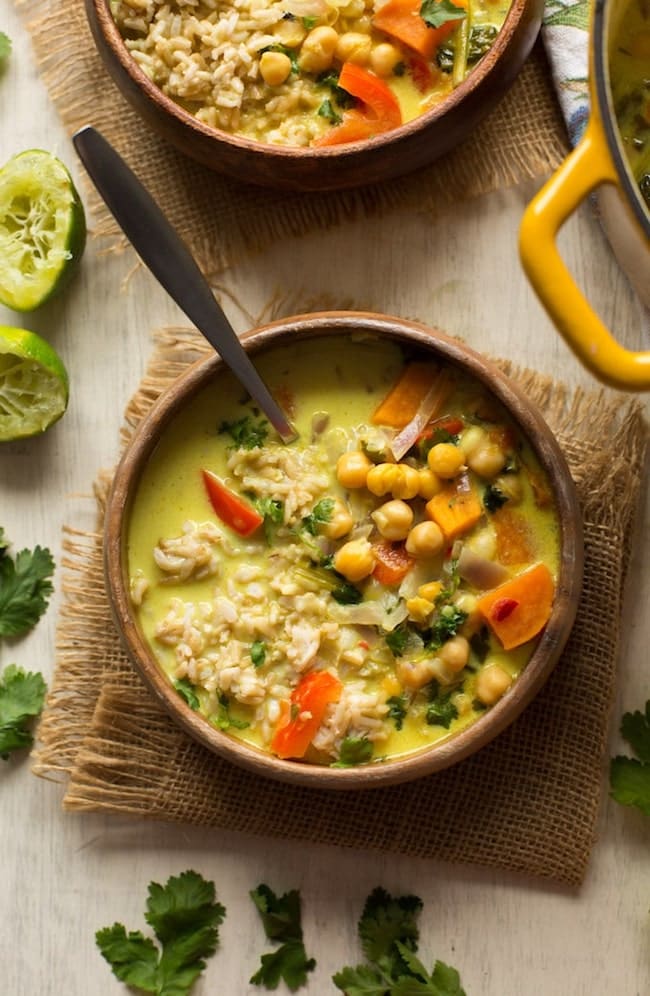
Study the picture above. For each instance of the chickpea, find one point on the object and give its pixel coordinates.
(416, 674)
(352, 469)
(317, 52)
(393, 519)
(455, 653)
(492, 683)
(383, 59)
(340, 523)
(398, 479)
(430, 484)
(446, 460)
(467, 603)
(354, 560)
(474, 437)
(275, 67)
(290, 32)
(419, 609)
(488, 460)
(462, 702)
(354, 47)
(425, 540)
(484, 543)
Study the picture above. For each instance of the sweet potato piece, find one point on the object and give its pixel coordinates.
(455, 511)
(532, 593)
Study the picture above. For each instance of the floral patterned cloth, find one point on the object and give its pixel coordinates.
(565, 30)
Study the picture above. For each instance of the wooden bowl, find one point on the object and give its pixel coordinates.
(318, 169)
(544, 657)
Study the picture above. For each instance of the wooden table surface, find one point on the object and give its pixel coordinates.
(63, 876)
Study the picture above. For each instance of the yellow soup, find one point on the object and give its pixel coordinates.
(629, 71)
(308, 72)
(364, 592)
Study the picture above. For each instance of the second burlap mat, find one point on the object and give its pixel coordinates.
(528, 802)
(523, 138)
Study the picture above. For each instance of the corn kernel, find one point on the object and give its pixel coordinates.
(431, 590)
(419, 609)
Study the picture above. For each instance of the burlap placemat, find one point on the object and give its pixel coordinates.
(524, 137)
(528, 802)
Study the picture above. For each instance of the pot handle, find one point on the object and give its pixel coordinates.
(585, 168)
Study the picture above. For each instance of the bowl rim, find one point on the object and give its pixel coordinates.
(481, 72)
(430, 759)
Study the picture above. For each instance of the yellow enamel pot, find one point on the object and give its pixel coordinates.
(599, 161)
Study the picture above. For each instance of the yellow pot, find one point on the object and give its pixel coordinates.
(598, 161)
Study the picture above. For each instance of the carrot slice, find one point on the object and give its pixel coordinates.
(401, 19)
(230, 508)
(402, 402)
(392, 562)
(355, 127)
(454, 510)
(532, 593)
(304, 713)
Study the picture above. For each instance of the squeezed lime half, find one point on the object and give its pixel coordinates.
(33, 384)
(42, 229)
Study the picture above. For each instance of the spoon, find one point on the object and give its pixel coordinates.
(163, 251)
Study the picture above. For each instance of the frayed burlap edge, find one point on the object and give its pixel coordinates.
(523, 138)
(536, 787)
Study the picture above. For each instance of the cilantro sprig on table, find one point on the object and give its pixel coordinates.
(25, 587)
(389, 937)
(280, 917)
(629, 777)
(5, 49)
(22, 694)
(185, 918)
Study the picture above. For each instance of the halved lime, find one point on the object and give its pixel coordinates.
(33, 384)
(42, 229)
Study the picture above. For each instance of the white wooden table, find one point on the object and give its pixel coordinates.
(64, 876)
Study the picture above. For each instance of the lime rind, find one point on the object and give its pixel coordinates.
(33, 385)
(42, 229)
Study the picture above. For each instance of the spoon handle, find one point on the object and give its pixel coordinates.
(163, 251)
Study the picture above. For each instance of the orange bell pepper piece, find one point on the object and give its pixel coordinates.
(304, 713)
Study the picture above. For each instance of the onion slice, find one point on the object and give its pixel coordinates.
(429, 407)
(481, 573)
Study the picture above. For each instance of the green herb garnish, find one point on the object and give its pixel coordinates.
(435, 13)
(185, 919)
(493, 498)
(25, 587)
(320, 515)
(222, 718)
(246, 433)
(327, 111)
(397, 709)
(22, 694)
(186, 691)
(5, 49)
(446, 625)
(629, 777)
(272, 511)
(354, 750)
(280, 917)
(397, 639)
(258, 653)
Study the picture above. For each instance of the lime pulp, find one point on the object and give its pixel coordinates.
(33, 384)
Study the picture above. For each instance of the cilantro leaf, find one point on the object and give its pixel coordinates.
(629, 778)
(25, 587)
(185, 918)
(397, 709)
(5, 49)
(445, 626)
(272, 511)
(258, 653)
(635, 728)
(435, 13)
(346, 593)
(280, 917)
(186, 691)
(327, 111)
(354, 750)
(320, 514)
(441, 711)
(245, 433)
(364, 980)
(397, 639)
(22, 694)
(493, 498)
(222, 718)
(384, 921)
(480, 644)
(629, 782)
(443, 981)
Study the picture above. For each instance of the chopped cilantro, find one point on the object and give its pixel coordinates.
(246, 433)
(327, 111)
(222, 718)
(481, 39)
(445, 57)
(479, 644)
(330, 78)
(272, 511)
(25, 587)
(397, 639)
(309, 22)
(186, 690)
(441, 712)
(5, 49)
(435, 13)
(346, 593)
(320, 515)
(22, 694)
(354, 750)
(342, 590)
(258, 653)
(446, 625)
(280, 917)
(629, 778)
(185, 919)
(493, 498)
(397, 709)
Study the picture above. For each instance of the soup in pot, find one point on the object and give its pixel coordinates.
(629, 69)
